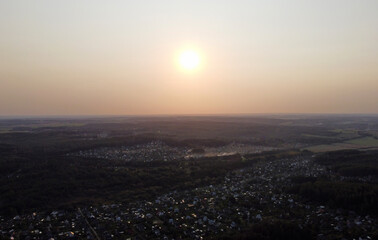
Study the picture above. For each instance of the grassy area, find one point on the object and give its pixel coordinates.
(345, 134)
(330, 147)
(364, 142)
(318, 136)
(347, 131)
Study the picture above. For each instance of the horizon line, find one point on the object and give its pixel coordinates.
(18, 116)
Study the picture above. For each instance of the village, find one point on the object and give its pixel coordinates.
(246, 196)
(158, 150)
(152, 151)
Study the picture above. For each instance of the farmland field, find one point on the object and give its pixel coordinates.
(365, 141)
(358, 143)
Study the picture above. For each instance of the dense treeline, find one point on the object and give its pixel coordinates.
(353, 196)
(65, 141)
(53, 135)
(52, 181)
(357, 196)
(59, 181)
(275, 230)
(351, 163)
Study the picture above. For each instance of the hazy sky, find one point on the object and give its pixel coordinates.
(120, 57)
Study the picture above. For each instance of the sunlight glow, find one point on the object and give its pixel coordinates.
(189, 59)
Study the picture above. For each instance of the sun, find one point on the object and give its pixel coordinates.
(189, 60)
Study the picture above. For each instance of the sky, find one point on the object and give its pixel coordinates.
(77, 57)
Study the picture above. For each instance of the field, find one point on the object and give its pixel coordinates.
(365, 141)
(358, 143)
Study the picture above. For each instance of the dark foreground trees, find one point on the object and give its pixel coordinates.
(274, 230)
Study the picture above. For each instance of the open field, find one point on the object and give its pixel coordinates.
(318, 136)
(347, 131)
(359, 143)
(365, 141)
